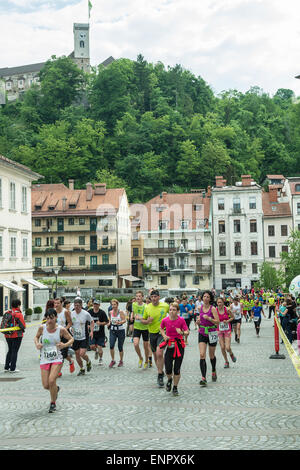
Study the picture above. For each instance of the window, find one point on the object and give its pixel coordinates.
(238, 268)
(105, 282)
(271, 230)
(222, 249)
(237, 248)
(297, 188)
(163, 280)
(81, 282)
(61, 240)
(198, 207)
(236, 205)
(284, 230)
(285, 249)
(252, 202)
(196, 280)
(12, 196)
(8, 85)
(49, 261)
(81, 221)
(61, 261)
(105, 240)
(253, 226)
(221, 204)
(253, 247)
(185, 243)
(49, 241)
(81, 260)
(81, 240)
(223, 268)
(38, 241)
(171, 263)
(171, 243)
(135, 252)
(21, 83)
(71, 221)
(221, 226)
(160, 243)
(81, 44)
(24, 199)
(162, 225)
(237, 226)
(184, 224)
(24, 248)
(254, 268)
(272, 253)
(298, 208)
(37, 262)
(105, 259)
(37, 222)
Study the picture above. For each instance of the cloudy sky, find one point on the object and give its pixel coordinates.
(232, 44)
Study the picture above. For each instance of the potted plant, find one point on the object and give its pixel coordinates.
(37, 311)
(28, 313)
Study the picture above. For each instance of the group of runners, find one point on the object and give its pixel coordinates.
(163, 325)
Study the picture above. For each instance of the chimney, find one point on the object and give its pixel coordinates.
(100, 189)
(246, 180)
(89, 191)
(272, 194)
(164, 196)
(219, 181)
(71, 184)
(208, 191)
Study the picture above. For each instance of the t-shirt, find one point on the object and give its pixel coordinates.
(157, 312)
(185, 311)
(256, 312)
(80, 321)
(139, 310)
(171, 325)
(99, 331)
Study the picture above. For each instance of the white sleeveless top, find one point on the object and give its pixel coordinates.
(237, 311)
(115, 319)
(49, 352)
(61, 318)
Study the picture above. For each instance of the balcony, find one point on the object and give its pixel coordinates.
(201, 269)
(158, 251)
(70, 269)
(71, 248)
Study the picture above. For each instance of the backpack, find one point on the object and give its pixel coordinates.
(7, 322)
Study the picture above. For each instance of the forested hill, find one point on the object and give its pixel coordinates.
(148, 128)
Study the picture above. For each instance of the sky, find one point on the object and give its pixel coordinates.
(231, 44)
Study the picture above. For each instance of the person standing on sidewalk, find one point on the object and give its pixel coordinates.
(14, 338)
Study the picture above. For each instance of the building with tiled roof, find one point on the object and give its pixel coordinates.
(292, 189)
(84, 232)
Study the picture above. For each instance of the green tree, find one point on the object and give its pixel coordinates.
(290, 260)
(269, 277)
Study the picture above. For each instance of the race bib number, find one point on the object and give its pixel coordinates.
(223, 326)
(50, 353)
(96, 327)
(213, 337)
(255, 318)
(77, 334)
(170, 346)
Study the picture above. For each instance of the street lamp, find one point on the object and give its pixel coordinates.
(56, 271)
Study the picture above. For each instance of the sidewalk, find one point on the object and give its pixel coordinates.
(253, 405)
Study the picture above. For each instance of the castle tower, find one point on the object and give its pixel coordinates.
(82, 45)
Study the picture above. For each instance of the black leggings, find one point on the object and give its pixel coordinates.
(169, 359)
(257, 325)
(12, 354)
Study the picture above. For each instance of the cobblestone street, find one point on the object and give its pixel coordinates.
(253, 405)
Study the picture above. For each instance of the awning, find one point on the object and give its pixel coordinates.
(130, 278)
(35, 283)
(11, 286)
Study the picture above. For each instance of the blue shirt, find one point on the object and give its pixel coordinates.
(257, 311)
(185, 310)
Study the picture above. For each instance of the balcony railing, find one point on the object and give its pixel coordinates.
(99, 268)
(72, 248)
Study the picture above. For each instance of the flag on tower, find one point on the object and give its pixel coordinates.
(90, 7)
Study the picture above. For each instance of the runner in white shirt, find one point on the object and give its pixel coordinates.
(80, 320)
(64, 319)
(237, 309)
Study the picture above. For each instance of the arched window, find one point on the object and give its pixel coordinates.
(81, 44)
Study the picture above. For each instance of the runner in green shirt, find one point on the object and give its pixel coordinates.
(138, 308)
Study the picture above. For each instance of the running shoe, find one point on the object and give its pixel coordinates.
(13, 371)
(52, 407)
(112, 364)
(175, 391)
(121, 364)
(238, 340)
(81, 372)
(233, 358)
(169, 385)
(160, 380)
(203, 382)
(140, 363)
(100, 361)
(146, 365)
(150, 364)
(72, 367)
(88, 366)
(226, 365)
(214, 376)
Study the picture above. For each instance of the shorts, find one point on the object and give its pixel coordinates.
(99, 341)
(234, 322)
(138, 333)
(224, 334)
(48, 366)
(64, 352)
(155, 340)
(205, 339)
(79, 344)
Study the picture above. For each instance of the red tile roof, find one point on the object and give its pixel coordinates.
(282, 208)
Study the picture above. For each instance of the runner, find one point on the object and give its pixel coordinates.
(186, 312)
(224, 331)
(80, 320)
(64, 320)
(207, 322)
(271, 302)
(98, 340)
(51, 358)
(117, 327)
(256, 312)
(139, 330)
(153, 315)
(236, 310)
(172, 329)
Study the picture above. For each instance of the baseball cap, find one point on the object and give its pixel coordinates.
(96, 301)
(154, 292)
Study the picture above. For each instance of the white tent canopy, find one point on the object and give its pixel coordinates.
(11, 286)
(130, 278)
(35, 283)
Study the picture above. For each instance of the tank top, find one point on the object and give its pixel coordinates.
(223, 326)
(115, 319)
(236, 310)
(49, 352)
(205, 325)
(61, 318)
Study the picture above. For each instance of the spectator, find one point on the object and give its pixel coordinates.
(14, 339)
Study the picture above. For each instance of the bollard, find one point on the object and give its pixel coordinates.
(276, 342)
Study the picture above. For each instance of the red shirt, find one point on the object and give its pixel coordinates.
(18, 316)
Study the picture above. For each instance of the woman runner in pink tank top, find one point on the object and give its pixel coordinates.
(224, 330)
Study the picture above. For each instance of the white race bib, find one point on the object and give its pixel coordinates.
(224, 326)
(96, 327)
(213, 337)
(255, 318)
(77, 334)
(50, 353)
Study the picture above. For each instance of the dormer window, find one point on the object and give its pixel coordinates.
(8, 85)
(81, 44)
(21, 83)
